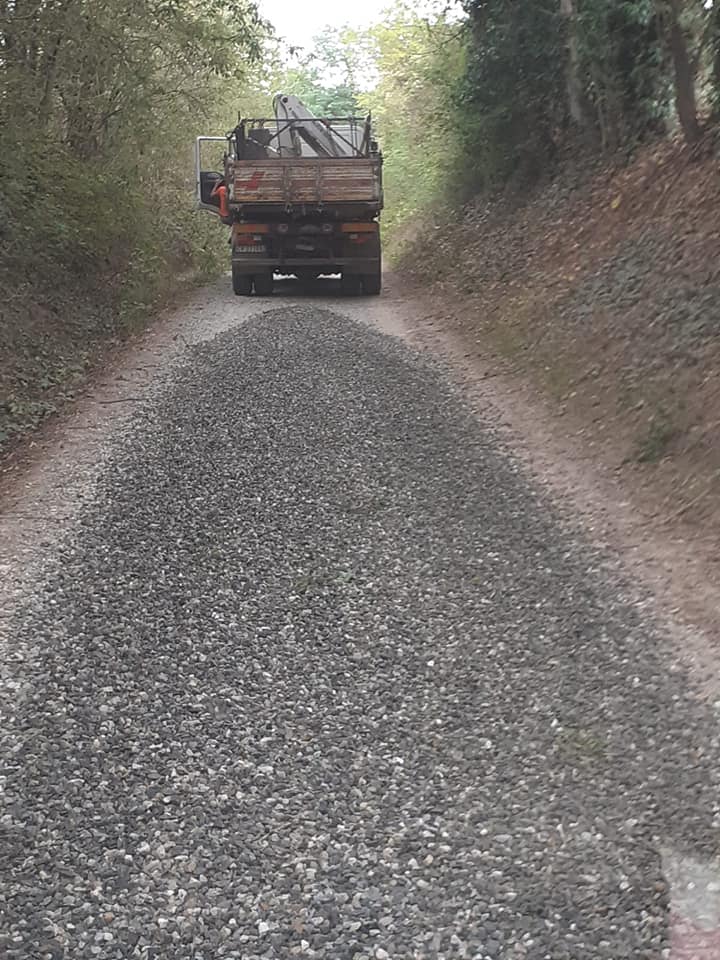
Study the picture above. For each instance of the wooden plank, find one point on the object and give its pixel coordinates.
(306, 181)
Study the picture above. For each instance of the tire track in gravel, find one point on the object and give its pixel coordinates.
(320, 673)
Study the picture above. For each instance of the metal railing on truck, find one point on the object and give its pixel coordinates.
(317, 137)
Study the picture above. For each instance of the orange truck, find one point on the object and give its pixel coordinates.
(302, 197)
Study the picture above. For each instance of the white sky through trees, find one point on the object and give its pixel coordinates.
(298, 21)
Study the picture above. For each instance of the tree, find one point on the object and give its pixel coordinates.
(418, 61)
(670, 12)
(329, 77)
(99, 102)
(621, 59)
(515, 82)
(304, 81)
(714, 38)
(575, 91)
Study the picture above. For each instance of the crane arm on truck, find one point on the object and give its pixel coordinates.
(293, 117)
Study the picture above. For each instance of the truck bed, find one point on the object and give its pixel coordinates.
(306, 182)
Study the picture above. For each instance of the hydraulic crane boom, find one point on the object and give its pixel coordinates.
(295, 120)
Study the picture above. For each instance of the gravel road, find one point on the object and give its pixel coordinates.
(320, 673)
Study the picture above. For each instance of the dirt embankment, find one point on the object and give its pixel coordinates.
(604, 289)
(51, 344)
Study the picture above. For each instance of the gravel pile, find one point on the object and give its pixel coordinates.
(323, 676)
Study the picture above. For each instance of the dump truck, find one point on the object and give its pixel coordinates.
(301, 195)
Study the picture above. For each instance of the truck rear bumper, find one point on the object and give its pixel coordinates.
(252, 265)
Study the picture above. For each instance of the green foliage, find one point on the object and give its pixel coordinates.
(512, 86)
(418, 60)
(468, 104)
(99, 103)
(622, 57)
(543, 74)
(328, 77)
(304, 81)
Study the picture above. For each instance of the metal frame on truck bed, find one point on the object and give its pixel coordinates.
(301, 194)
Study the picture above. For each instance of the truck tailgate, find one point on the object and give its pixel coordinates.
(306, 181)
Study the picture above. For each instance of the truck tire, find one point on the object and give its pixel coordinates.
(264, 283)
(242, 283)
(372, 284)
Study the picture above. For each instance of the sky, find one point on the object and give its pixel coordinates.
(298, 21)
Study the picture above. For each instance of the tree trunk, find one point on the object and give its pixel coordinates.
(685, 102)
(49, 76)
(715, 41)
(572, 69)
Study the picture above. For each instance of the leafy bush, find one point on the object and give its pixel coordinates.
(99, 103)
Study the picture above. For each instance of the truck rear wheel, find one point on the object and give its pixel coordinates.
(264, 283)
(242, 283)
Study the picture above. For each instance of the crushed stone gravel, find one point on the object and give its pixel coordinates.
(321, 674)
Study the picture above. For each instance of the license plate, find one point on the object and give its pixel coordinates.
(249, 249)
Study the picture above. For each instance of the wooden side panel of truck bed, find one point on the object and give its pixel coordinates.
(306, 181)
